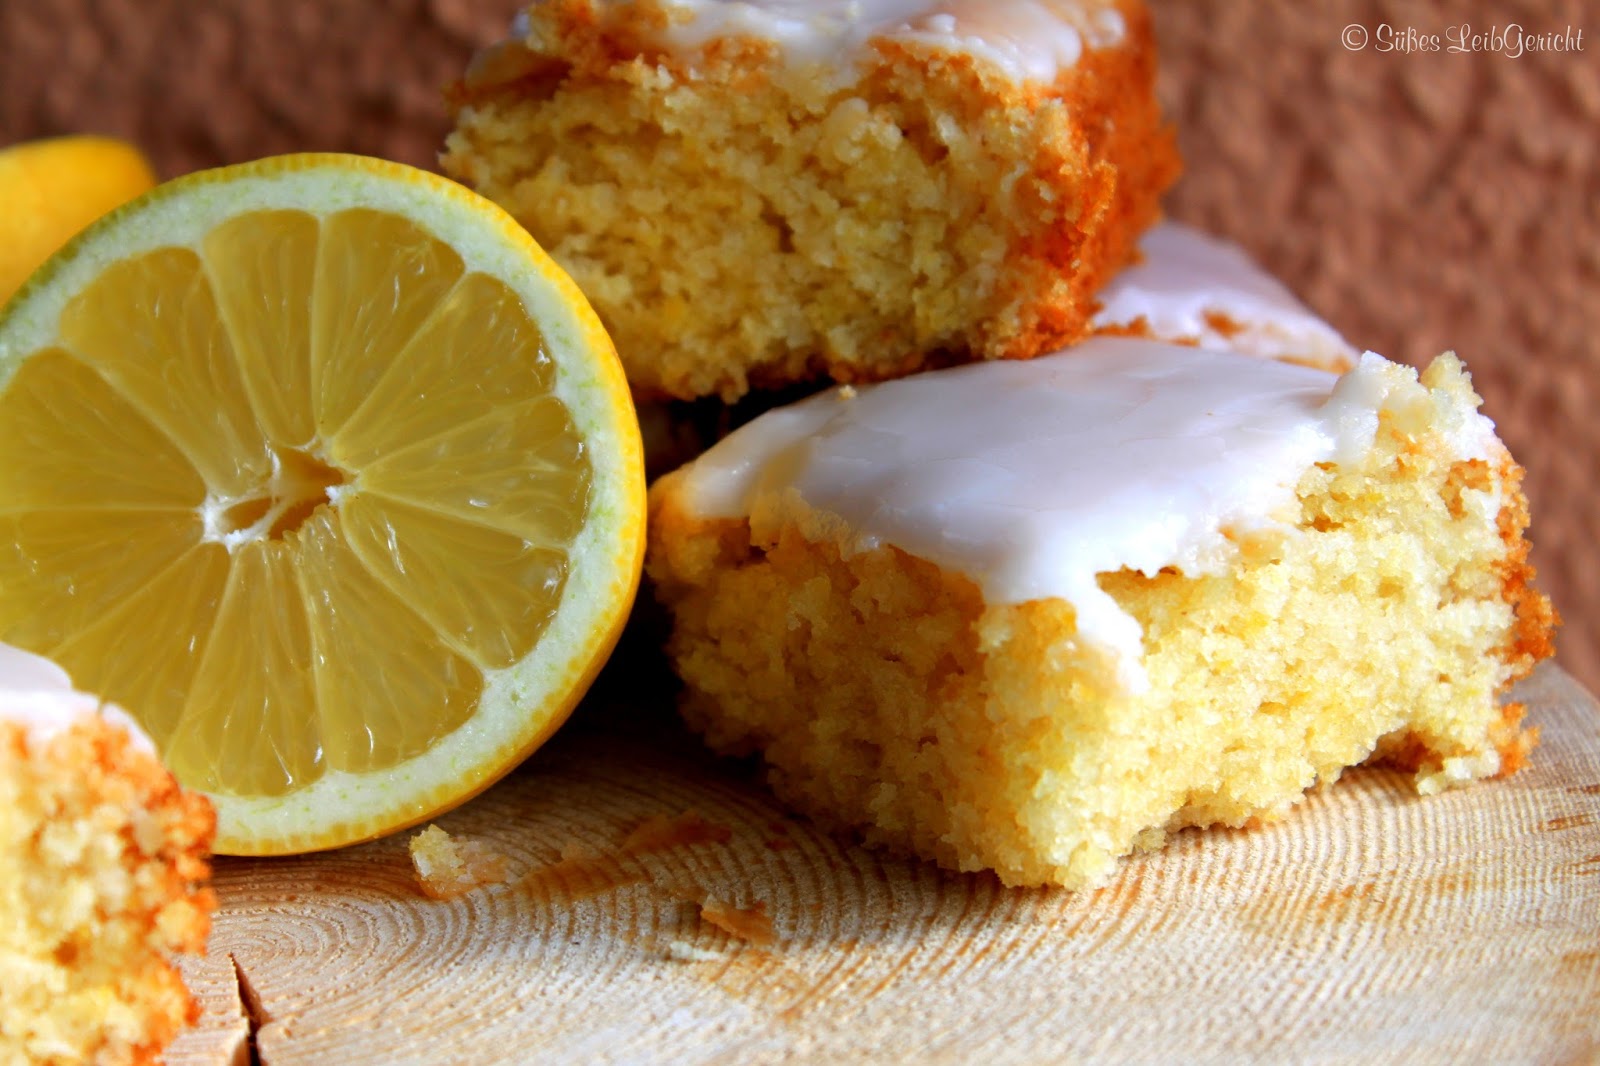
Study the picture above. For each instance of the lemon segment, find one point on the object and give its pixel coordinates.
(258, 658)
(377, 660)
(380, 277)
(262, 268)
(147, 648)
(49, 555)
(526, 475)
(477, 353)
(69, 441)
(488, 593)
(150, 327)
(324, 471)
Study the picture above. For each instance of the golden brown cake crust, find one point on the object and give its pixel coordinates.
(1135, 159)
(1532, 635)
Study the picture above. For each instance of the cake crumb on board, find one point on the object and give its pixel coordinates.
(449, 866)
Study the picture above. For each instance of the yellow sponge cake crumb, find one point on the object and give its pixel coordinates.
(102, 862)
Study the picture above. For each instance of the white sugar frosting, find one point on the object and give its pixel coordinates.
(1032, 477)
(39, 695)
(1188, 281)
(1029, 40)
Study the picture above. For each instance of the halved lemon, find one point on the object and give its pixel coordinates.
(322, 469)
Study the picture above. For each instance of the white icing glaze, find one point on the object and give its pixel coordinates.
(1029, 40)
(38, 694)
(1033, 477)
(1186, 278)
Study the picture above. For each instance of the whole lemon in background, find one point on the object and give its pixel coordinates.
(322, 469)
(52, 189)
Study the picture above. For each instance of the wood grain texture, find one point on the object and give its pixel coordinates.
(223, 1037)
(1371, 926)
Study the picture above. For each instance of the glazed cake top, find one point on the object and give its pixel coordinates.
(1031, 477)
(39, 695)
(1197, 289)
(1030, 40)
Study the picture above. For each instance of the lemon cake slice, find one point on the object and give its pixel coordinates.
(1031, 616)
(754, 194)
(103, 859)
(1191, 288)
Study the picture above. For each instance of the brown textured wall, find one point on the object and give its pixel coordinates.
(1421, 201)
(198, 83)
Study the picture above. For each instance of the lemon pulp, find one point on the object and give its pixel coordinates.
(289, 495)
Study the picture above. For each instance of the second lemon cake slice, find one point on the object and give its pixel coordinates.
(761, 193)
(1029, 616)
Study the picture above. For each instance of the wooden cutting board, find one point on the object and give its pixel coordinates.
(1373, 925)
